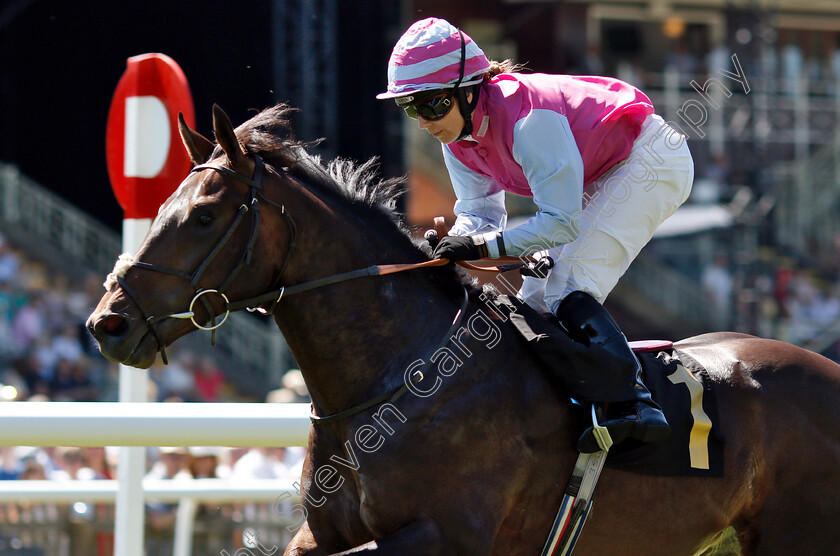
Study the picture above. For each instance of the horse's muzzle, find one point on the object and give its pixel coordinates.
(112, 325)
(119, 341)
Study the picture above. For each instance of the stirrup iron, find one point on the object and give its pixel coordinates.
(601, 434)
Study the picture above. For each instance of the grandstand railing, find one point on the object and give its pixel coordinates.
(259, 350)
(791, 126)
(673, 293)
(809, 198)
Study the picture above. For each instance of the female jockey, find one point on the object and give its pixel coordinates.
(604, 172)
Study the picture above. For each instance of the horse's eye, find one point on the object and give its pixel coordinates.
(205, 219)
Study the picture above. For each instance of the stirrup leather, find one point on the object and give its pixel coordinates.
(577, 498)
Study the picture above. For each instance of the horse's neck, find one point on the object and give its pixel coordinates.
(353, 340)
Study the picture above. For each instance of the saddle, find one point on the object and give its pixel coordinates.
(679, 384)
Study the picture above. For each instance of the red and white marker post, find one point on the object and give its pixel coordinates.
(145, 164)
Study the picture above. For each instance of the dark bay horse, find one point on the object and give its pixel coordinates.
(468, 455)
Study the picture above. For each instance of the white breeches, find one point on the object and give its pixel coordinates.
(621, 210)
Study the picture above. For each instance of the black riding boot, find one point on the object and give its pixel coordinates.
(634, 414)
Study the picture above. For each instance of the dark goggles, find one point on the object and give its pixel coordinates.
(434, 108)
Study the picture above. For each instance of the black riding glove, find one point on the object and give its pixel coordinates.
(461, 248)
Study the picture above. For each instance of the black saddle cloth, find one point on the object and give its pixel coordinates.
(680, 386)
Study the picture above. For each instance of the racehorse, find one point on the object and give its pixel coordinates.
(469, 456)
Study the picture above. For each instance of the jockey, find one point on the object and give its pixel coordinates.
(603, 169)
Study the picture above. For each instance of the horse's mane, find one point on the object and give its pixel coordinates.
(269, 134)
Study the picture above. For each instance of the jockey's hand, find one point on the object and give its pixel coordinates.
(461, 248)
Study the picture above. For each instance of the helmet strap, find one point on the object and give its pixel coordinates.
(466, 107)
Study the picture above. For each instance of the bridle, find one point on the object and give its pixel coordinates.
(251, 205)
(267, 301)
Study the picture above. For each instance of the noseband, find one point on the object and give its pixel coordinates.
(267, 301)
(252, 206)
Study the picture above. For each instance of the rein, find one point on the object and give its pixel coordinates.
(375, 270)
(273, 297)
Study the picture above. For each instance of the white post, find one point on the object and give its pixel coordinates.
(141, 164)
(184, 522)
(130, 507)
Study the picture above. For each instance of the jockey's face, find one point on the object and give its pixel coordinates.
(446, 129)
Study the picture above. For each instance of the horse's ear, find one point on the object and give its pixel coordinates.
(227, 138)
(198, 147)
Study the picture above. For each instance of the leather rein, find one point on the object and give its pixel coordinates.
(270, 299)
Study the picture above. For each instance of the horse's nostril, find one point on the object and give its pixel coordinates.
(112, 325)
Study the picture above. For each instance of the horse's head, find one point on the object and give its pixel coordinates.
(217, 238)
(227, 240)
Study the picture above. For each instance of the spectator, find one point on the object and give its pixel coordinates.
(28, 323)
(204, 462)
(175, 380)
(261, 463)
(10, 467)
(66, 345)
(811, 309)
(9, 263)
(782, 288)
(160, 516)
(41, 456)
(73, 465)
(33, 470)
(682, 61)
(593, 65)
(28, 368)
(792, 69)
(293, 380)
(171, 464)
(717, 283)
(718, 172)
(71, 382)
(768, 309)
(97, 460)
(295, 457)
(208, 380)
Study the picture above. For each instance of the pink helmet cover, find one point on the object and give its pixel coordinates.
(428, 57)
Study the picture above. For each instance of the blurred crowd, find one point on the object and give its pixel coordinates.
(199, 462)
(786, 62)
(25, 523)
(46, 354)
(794, 299)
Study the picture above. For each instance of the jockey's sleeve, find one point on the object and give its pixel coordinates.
(545, 148)
(480, 204)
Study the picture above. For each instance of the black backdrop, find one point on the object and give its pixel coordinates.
(60, 63)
